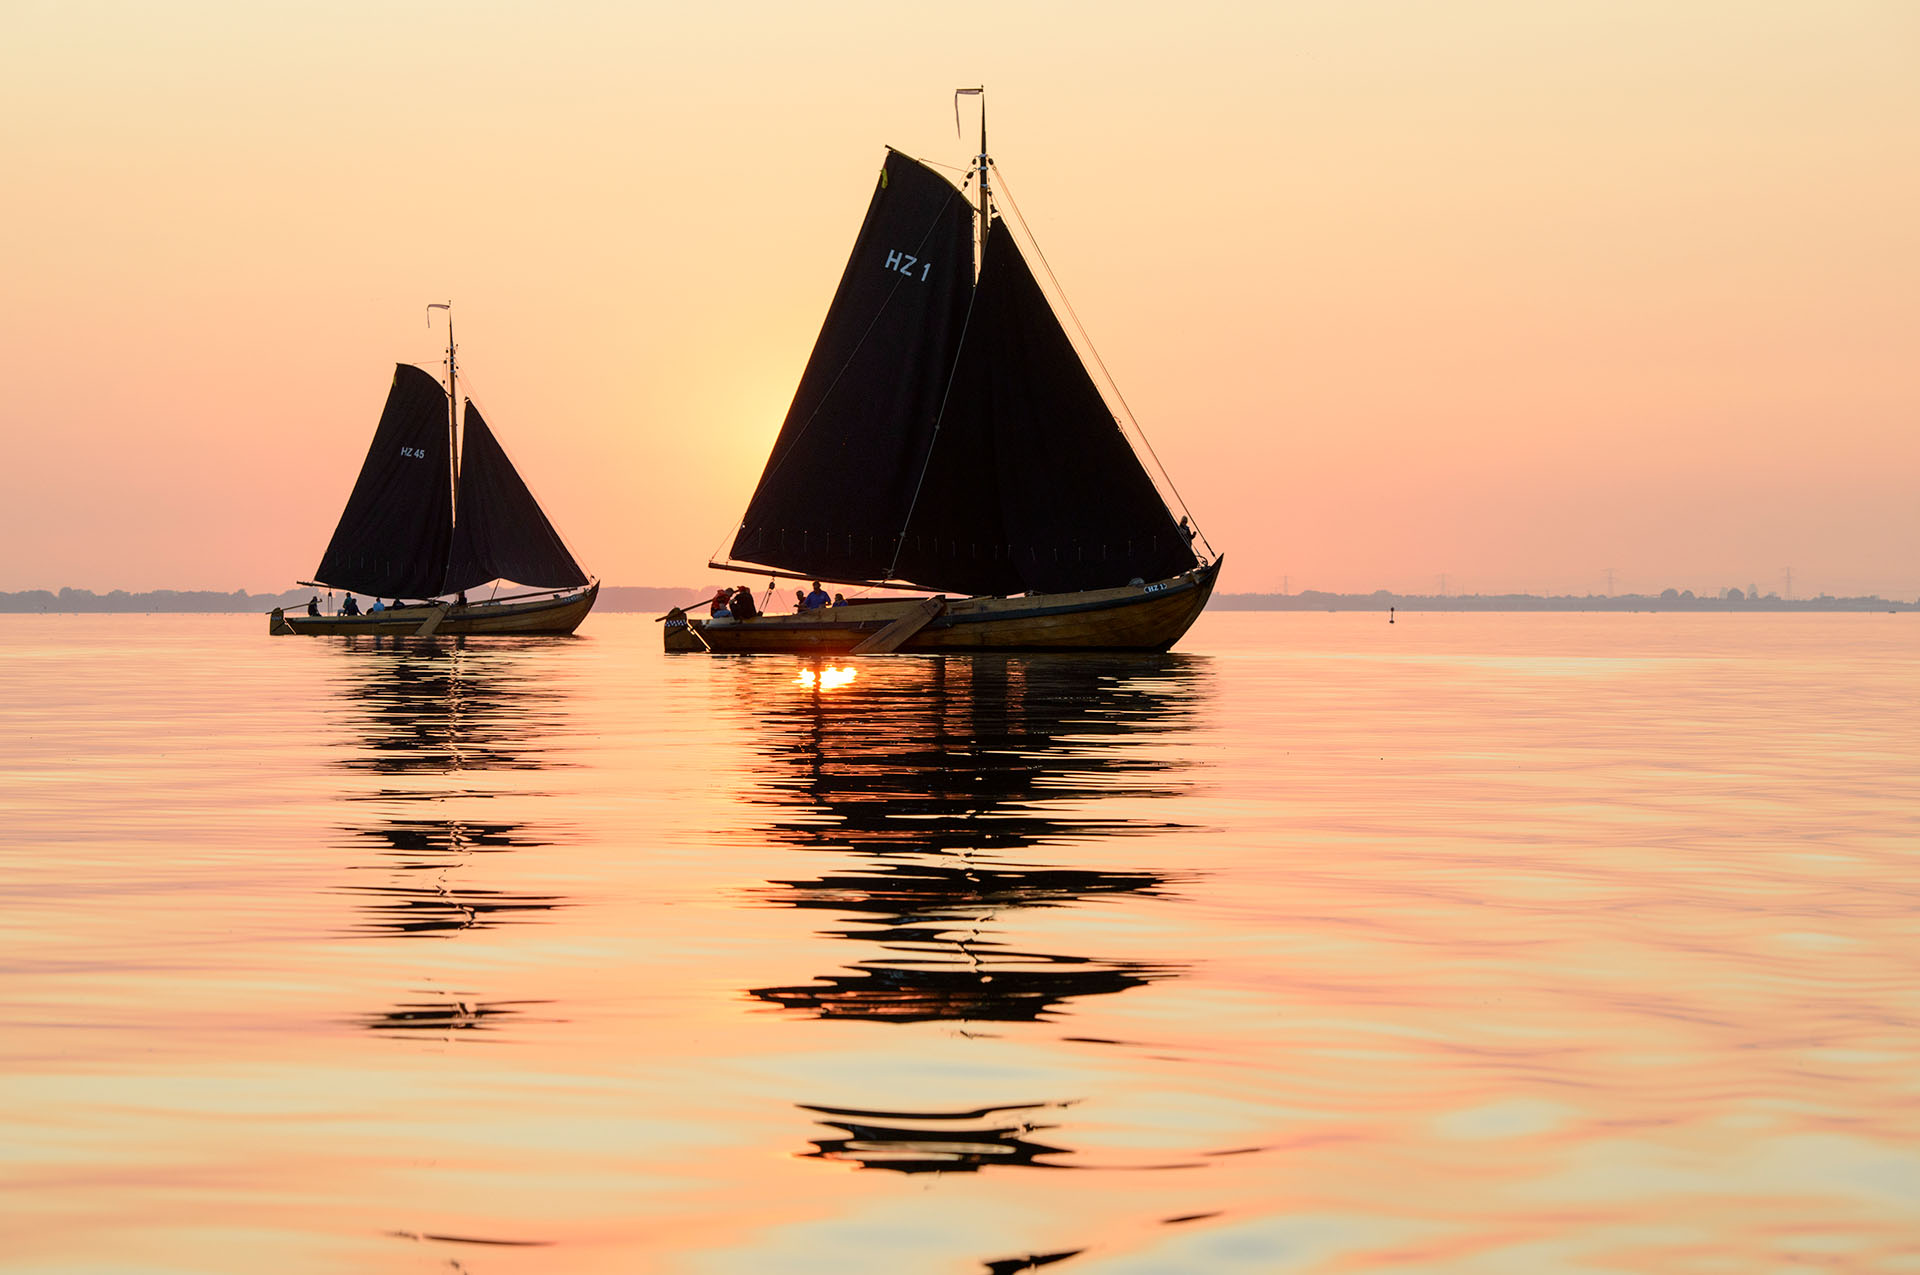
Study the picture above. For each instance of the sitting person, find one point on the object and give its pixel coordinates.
(350, 607)
(800, 599)
(743, 607)
(313, 605)
(839, 599)
(718, 608)
(378, 605)
(815, 600)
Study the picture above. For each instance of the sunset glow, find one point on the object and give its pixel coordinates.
(1510, 294)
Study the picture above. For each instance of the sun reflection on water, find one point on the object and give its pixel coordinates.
(829, 678)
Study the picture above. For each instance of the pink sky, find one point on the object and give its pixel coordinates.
(1512, 292)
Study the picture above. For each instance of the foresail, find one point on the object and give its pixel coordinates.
(393, 535)
(502, 533)
(1031, 484)
(837, 488)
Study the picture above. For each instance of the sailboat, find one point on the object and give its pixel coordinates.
(947, 437)
(425, 524)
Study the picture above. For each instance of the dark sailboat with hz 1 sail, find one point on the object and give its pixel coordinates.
(426, 524)
(947, 437)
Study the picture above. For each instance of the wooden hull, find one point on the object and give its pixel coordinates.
(540, 615)
(1130, 618)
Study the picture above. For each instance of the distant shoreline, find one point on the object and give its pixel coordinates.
(652, 600)
(1670, 600)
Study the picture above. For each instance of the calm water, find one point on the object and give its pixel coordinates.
(1474, 943)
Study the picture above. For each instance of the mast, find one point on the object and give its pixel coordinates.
(980, 168)
(453, 409)
(986, 205)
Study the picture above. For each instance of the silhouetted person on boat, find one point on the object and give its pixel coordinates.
(378, 605)
(718, 607)
(799, 599)
(815, 600)
(313, 605)
(743, 607)
(350, 607)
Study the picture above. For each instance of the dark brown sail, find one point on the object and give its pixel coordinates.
(393, 536)
(836, 490)
(501, 532)
(1030, 484)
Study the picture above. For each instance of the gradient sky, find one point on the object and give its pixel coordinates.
(1513, 292)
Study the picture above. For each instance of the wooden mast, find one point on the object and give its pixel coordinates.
(453, 412)
(980, 168)
(986, 207)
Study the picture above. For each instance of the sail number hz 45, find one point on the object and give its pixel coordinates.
(905, 262)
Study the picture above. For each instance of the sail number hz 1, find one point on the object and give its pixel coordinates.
(905, 262)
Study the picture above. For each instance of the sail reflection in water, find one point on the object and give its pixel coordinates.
(945, 779)
(425, 896)
(443, 1016)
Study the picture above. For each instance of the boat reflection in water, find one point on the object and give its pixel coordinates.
(445, 707)
(955, 795)
(935, 1142)
(943, 779)
(432, 719)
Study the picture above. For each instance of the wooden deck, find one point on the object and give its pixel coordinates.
(1149, 617)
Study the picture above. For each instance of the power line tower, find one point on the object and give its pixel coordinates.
(1789, 573)
(1609, 571)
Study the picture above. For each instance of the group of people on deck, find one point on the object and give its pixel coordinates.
(352, 605)
(737, 603)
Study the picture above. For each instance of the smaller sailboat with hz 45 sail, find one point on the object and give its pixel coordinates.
(948, 437)
(426, 524)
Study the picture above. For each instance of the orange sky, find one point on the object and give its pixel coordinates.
(1507, 291)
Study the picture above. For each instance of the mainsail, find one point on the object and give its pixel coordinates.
(840, 481)
(393, 536)
(398, 536)
(947, 435)
(501, 533)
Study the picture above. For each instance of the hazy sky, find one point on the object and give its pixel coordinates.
(1514, 292)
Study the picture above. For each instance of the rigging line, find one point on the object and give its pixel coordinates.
(933, 440)
(1006, 190)
(774, 465)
